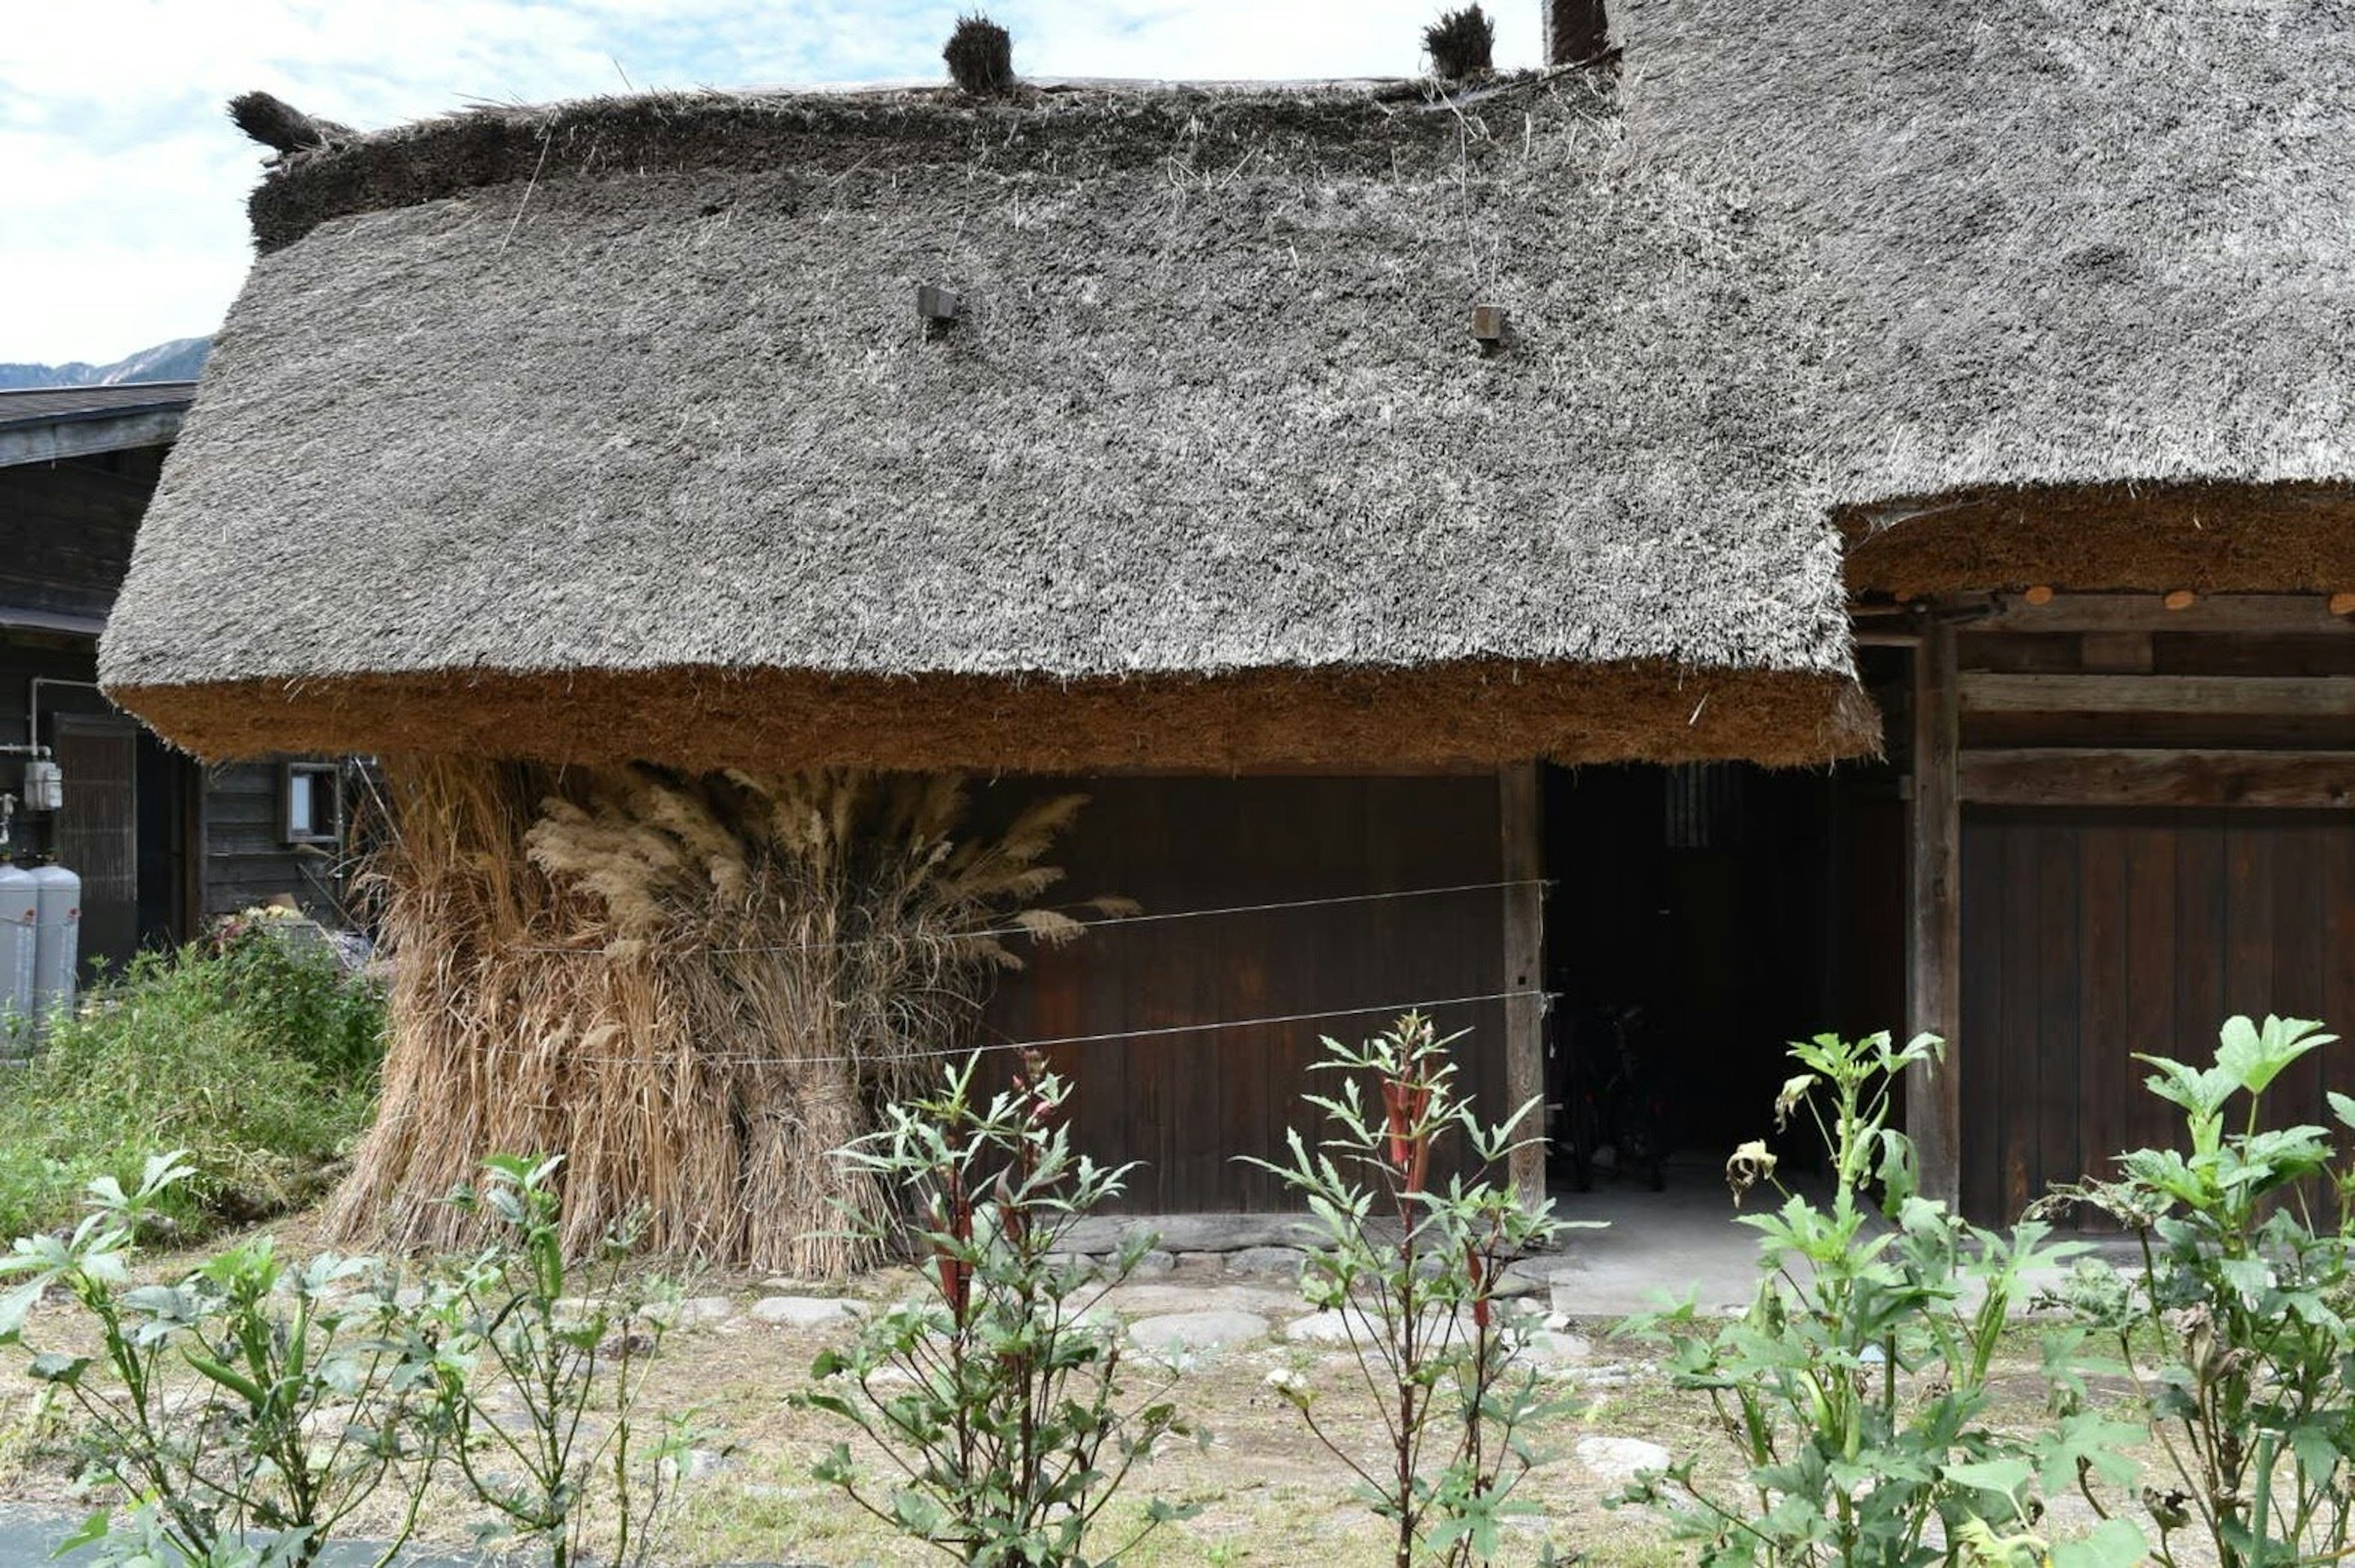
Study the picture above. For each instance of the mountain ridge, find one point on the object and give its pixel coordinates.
(178, 361)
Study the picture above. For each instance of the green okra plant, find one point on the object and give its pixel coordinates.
(543, 1376)
(1000, 1396)
(1852, 1395)
(1414, 1265)
(2234, 1322)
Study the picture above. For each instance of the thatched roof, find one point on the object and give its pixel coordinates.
(611, 429)
(2063, 242)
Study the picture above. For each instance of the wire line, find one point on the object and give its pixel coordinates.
(1110, 920)
(1161, 1031)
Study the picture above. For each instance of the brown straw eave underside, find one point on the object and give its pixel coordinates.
(2218, 538)
(1469, 713)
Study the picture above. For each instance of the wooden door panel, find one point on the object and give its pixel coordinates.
(97, 832)
(2092, 936)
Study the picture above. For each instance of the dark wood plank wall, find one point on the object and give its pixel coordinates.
(68, 528)
(2139, 862)
(1187, 1105)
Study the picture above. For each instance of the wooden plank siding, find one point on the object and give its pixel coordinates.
(2314, 696)
(1188, 1104)
(247, 860)
(2156, 835)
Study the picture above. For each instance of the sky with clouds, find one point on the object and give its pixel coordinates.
(122, 185)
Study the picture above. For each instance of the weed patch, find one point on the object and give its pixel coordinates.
(255, 1053)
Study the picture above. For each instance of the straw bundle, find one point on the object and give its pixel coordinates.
(696, 988)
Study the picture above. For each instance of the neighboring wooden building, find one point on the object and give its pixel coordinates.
(162, 842)
(1954, 400)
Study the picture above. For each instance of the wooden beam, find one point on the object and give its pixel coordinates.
(2307, 696)
(55, 440)
(1520, 803)
(2115, 653)
(19, 618)
(1467, 770)
(1935, 930)
(2279, 613)
(2090, 777)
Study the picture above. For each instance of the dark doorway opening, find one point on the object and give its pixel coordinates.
(1702, 916)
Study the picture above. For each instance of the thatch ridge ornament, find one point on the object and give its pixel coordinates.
(279, 126)
(980, 56)
(1462, 44)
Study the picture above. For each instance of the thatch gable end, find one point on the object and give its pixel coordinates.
(1209, 409)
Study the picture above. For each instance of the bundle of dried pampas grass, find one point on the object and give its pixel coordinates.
(694, 988)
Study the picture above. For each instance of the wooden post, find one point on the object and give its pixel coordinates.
(1521, 813)
(1576, 31)
(1935, 933)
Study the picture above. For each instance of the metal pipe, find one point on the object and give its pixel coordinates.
(33, 706)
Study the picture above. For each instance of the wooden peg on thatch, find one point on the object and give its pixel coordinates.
(1462, 44)
(937, 307)
(981, 56)
(2181, 599)
(1488, 328)
(2039, 594)
(279, 126)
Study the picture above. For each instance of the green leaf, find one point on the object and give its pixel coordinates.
(93, 1529)
(2116, 1543)
(2005, 1476)
(55, 1367)
(16, 1304)
(919, 1514)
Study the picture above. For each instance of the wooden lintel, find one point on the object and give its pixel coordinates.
(1520, 803)
(2304, 696)
(1934, 929)
(2282, 613)
(2086, 776)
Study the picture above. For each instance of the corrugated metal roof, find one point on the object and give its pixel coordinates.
(57, 405)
